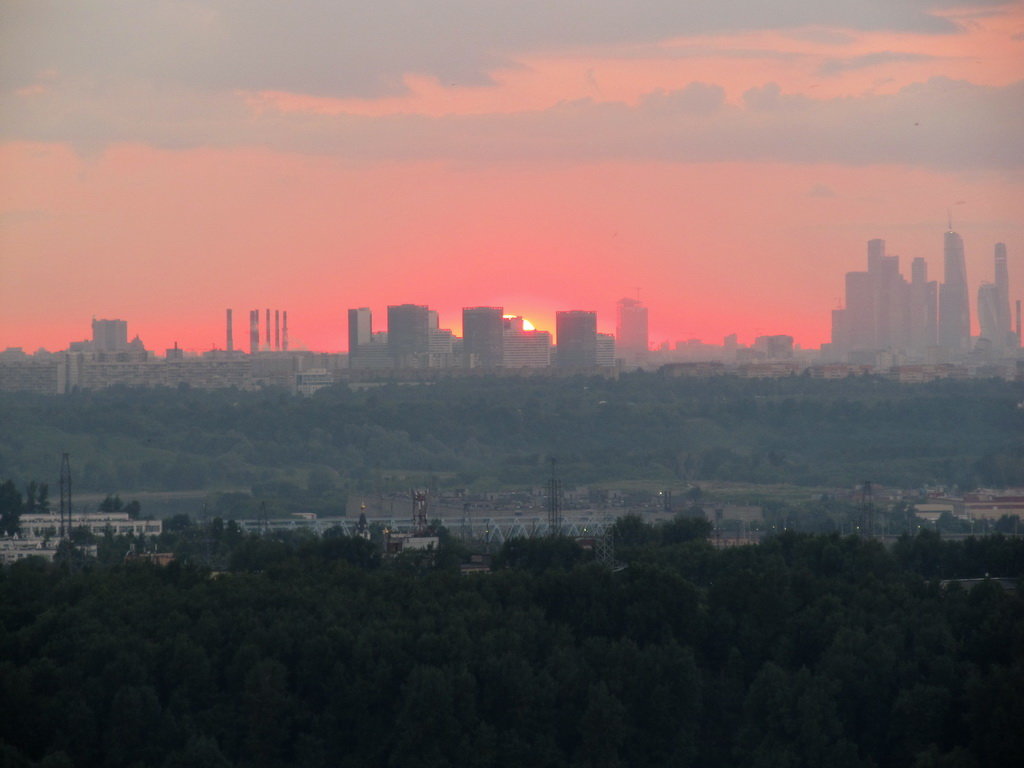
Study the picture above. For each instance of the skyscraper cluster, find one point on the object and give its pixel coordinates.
(922, 319)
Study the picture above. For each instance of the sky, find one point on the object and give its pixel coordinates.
(727, 162)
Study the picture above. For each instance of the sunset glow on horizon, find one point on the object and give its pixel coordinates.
(729, 164)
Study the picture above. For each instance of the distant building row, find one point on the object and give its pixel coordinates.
(492, 339)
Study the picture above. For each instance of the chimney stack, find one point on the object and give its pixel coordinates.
(231, 338)
(277, 329)
(284, 332)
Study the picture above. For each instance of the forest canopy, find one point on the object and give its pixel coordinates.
(497, 432)
(803, 651)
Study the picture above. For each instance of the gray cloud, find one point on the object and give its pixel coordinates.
(838, 66)
(770, 97)
(941, 123)
(362, 47)
(695, 98)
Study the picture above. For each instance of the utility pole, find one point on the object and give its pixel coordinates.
(554, 502)
(867, 508)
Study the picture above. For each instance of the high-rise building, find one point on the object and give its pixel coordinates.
(777, 347)
(631, 333)
(923, 305)
(408, 333)
(954, 303)
(860, 311)
(840, 334)
(360, 330)
(576, 337)
(110, 335)
(876, 252)
(1006, 336)
(988, 315)
(883, 311)
(522, 348)
(605, 350)
(891, 302)
(483, 337)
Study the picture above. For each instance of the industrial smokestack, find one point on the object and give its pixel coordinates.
(1018, 323)
(266, 331)
(254, 331)
(284, 332)
(277, 329)
(231, 337)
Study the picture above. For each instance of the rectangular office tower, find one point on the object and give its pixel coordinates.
(631, 341)
(525, 349)
(576, 339)
(110, 335)
(408, 333)
(483, 337)
(924, 303)
(360, 329)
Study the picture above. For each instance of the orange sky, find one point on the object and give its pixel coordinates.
(732, 177)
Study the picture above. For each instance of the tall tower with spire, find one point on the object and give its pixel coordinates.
(954, 302)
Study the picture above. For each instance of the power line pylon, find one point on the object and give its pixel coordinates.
(65, 496)
(554, 502)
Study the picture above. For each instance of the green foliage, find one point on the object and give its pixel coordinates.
(11, 506)
(314, 451)
(539, 554)
(804, 651)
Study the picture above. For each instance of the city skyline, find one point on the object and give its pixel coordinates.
(883, 312)
(880, 310)
(728, 159)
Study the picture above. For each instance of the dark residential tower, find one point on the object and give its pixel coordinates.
(483, 336)
(408, 333)
(576, 337)
(360, 329)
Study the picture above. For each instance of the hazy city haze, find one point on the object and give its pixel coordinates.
(166, 160)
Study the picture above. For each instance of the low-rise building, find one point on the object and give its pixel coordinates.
(36, 525)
